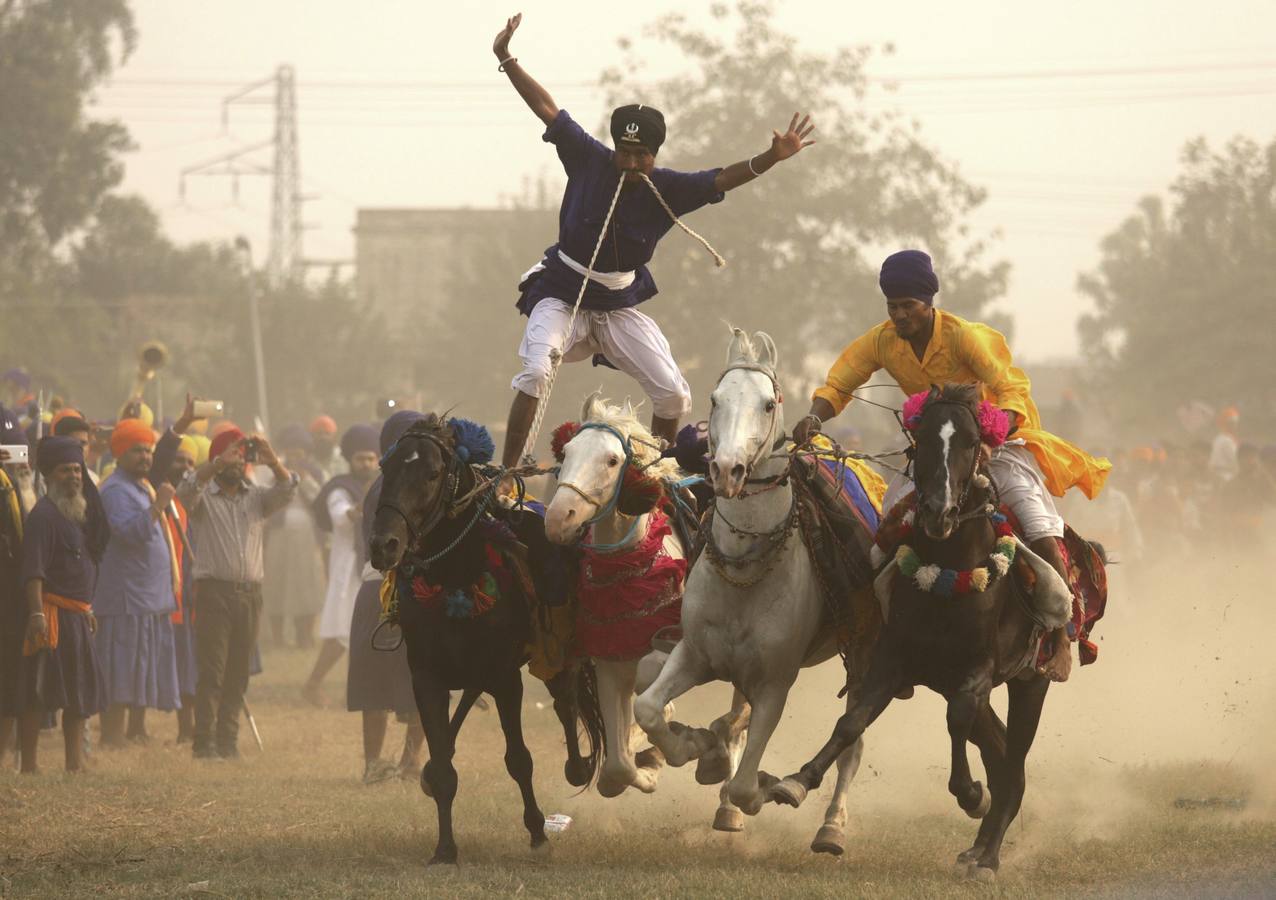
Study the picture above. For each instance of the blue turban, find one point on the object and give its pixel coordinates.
(58, 451)
(909, 273)
(358, 439)
(396, 426)
(52, 452)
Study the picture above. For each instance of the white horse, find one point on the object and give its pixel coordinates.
(753, 612)
(584, 506)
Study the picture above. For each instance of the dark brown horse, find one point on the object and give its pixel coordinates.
(960, 646)
(433, 527)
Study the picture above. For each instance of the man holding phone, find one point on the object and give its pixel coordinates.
(227, 521)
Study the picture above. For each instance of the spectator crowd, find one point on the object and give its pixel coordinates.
(138, 560)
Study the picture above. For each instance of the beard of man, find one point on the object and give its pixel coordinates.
(231, 475)
(70, 502)
(24, 481)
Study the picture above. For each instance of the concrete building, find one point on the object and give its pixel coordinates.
(407, 260)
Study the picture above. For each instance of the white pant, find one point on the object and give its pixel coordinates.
(1014, 470)
(630, 340)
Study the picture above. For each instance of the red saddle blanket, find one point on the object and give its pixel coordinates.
(625, 598)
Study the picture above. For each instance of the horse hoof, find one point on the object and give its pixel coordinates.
(713, 769)
(651, 758)
(728, 819)
(968, 858)
(443, 859)
(828, 840)
(541, 847)
(789, 792)
(985, 803)
(576, 771)
(963, 869)
(610, 789)
(982, 874)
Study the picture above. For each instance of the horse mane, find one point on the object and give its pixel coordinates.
(965, 394)
(435, 426)
(751, 350)
(644, 444)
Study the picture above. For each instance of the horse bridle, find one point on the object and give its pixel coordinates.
(974, 468)
(453, 477)
(606, 508)
(763, 451)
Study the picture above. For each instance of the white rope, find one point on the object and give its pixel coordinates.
(556, 355)
(717, 257)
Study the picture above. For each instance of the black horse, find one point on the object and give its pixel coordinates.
(463, 627)
(960, 646)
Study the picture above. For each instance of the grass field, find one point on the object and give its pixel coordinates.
(1100, 818)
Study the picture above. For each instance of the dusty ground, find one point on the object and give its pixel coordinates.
(1180, 707)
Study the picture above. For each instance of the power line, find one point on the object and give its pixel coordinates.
(900, 78)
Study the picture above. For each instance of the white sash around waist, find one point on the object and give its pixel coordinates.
(613, 281)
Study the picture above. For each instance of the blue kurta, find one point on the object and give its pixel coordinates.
(136, 576)
(134, 602)
(638, 223)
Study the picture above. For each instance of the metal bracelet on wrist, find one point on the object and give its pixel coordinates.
(505, 62)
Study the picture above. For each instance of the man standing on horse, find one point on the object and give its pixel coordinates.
(610, 324)
(920, 346)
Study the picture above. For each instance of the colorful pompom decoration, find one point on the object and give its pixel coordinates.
(953, 583)
(562, 437)
(639, 494)
(994, 423)
(474, 444)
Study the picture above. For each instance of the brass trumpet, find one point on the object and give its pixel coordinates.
(151, 357)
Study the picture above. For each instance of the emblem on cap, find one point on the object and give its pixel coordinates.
(631, 132)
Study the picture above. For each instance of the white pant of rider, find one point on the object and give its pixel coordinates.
(1017, 476)
(630, 340)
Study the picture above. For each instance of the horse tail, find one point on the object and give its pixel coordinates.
(590, 712)
(469, 697)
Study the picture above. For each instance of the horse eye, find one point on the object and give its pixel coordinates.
(613, 461)
(770, 406)
(713, 401)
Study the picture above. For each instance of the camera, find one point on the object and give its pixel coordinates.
(206, 409)
(250, 450)
(16, 453)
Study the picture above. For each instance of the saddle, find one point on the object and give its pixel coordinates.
(837, 519)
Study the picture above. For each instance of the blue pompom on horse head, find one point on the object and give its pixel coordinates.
(474, 444)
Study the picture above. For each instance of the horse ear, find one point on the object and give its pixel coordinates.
(769, 356)
(740, 350)
(934, 392)
(592, 410)
(628, 409)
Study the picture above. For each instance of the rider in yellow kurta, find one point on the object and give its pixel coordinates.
(920, 346)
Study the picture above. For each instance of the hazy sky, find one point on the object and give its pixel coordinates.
(1066, 113)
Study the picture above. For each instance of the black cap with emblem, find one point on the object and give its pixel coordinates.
(637, 124)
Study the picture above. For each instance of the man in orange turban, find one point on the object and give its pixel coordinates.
(136, 591)
(130, 433)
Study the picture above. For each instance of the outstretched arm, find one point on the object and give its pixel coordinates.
(536, 97)
(782, 147)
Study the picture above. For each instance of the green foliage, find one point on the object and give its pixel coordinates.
(55, 163)
(1183, 292)
(804, 242)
